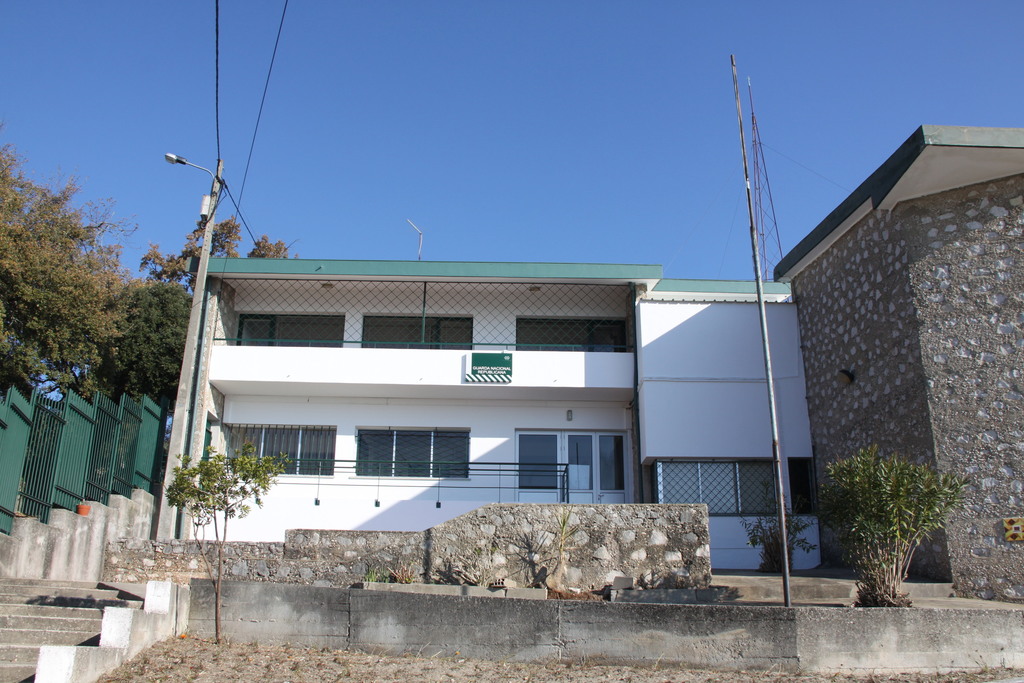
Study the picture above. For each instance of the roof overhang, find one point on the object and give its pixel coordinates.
(434, 271)
(934, 159)
(742, 291)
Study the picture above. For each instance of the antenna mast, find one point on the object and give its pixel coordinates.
(780, 495)
(768, 228)
(419, 252)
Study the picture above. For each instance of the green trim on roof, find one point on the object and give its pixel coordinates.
(433, 269)
(720, 287)
(966, 136)
(885, 177)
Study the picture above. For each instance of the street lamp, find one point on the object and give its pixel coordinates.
(187, 430)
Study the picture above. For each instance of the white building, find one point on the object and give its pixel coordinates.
(407, 393)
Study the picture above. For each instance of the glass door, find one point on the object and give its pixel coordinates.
(580, 457)
(593, 462)
(538, 457)
(611, 468)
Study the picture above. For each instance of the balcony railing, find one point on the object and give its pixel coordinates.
(497, 481)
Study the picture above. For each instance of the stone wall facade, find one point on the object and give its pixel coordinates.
(925, 306)
(658, 545)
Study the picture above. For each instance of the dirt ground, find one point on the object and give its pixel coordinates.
(195, 659)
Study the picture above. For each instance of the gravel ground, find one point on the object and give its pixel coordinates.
(196, 659)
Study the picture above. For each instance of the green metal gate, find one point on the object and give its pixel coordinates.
(41, 458)
(58, 453)
(15, 428)
(100, 474)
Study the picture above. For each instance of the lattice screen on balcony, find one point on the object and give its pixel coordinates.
(452, 315)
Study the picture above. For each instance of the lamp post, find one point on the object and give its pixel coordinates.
(187, 430)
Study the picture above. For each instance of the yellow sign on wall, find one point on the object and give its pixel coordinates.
(1014, 528)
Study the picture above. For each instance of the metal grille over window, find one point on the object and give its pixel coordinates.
(309, 450)
(433, 315)
(412, 453)
(743, 487)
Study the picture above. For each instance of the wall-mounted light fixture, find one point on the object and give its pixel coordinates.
(568, 416)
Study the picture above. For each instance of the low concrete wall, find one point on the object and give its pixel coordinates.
(728, 636)
(664, 546)
(70, 547)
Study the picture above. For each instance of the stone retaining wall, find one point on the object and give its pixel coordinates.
(659, 545)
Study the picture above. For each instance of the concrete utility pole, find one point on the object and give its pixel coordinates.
(188, 429)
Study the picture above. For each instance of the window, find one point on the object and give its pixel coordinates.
(412, 453)
(801, 485)
(310, 450)
(290, 330)
(744, 487)
(567, 334)
(413, 332)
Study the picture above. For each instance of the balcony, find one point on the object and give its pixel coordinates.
(417, 373)
(418, 339)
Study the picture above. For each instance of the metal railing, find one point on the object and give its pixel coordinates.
(59, 453)
(502, 479)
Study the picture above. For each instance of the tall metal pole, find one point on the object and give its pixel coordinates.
(189, 414)
(780, 495)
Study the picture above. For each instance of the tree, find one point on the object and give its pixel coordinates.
(264, 248)
(175, 267)
(146, 358)
(881, 509)
(226, 234)
(59, 283)
(221, 486)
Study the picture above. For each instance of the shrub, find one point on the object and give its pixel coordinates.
(763, 532)
(881, 509)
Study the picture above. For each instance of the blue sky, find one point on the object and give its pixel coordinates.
(586, 131)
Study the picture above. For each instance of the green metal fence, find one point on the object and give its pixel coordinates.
(58, 453)
(15, 429)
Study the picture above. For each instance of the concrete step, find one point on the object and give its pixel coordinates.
(55, 583)
(39, 637)
(20, 654)
(73, 598)
(52, 623)
(16, 673)
(71, 592)
(48, 611)
(756, 587)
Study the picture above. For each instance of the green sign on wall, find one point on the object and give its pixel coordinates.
(490, 367)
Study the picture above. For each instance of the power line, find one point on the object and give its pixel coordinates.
(806, 168)
(238, 210)
(259, 116)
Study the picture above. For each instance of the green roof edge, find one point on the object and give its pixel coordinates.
(881, 182)
(875, 187)
(719, 286)
(472, 269)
